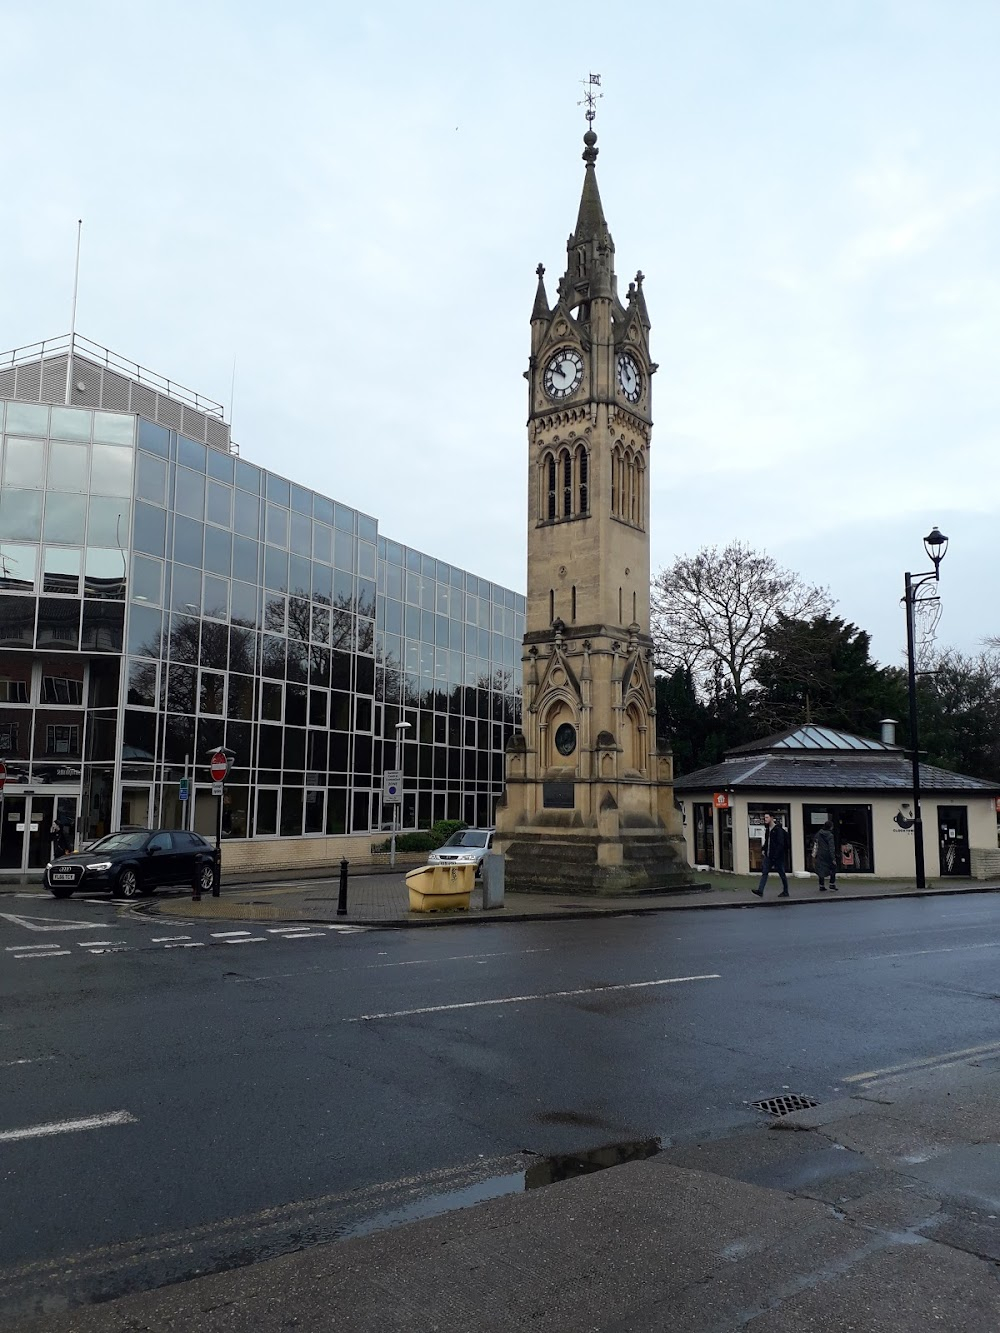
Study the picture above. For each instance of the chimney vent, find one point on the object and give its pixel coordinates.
(888, 725)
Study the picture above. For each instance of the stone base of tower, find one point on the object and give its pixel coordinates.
(609, 838)
(548, 860)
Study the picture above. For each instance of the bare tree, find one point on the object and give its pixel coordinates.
(711, 610)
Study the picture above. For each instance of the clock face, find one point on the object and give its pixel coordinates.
(629, 377)
(563, 373)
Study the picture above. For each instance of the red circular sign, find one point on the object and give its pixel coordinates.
(3, 774)
(219, 767)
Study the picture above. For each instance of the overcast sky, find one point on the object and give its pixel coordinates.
(351, 201)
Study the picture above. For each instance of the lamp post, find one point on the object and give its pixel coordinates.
(401, 727)
(935, 544)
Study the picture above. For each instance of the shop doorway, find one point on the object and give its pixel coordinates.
(35, 828)
(953, 839)
(725, 840)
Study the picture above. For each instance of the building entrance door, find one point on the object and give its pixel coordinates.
(953, 839)
(27, 840)
(136, 808)
(12, 832)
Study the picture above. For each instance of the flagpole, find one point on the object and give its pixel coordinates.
(72, 318)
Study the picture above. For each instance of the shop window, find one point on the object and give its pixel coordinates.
(852, 835)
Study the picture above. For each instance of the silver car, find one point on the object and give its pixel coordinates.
(466, 847)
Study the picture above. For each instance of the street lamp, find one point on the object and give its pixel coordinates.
(935, 544)
(401, 727)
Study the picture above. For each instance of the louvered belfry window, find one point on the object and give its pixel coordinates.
(551, 510)
(584, 487)
(567, 463)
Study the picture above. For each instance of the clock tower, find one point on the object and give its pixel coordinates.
(588, 804)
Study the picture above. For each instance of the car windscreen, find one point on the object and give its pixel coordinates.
(119, 842)
(469, 837)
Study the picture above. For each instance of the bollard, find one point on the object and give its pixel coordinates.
(342, 895)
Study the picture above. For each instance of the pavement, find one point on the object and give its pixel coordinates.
(880, 1213)
(382, 899)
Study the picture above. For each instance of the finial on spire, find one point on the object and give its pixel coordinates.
(589, 100)
(540, 271)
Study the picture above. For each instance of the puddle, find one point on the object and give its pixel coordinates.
(544, 1171)
(550, 1170)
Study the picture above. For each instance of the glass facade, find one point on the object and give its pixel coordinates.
(159, 598)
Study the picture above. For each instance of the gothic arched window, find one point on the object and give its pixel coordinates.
(582, 473)
(567, 471)
(550, 508)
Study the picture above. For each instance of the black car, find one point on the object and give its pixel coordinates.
(135, 862)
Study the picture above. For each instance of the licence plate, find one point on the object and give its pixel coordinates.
(64, 877)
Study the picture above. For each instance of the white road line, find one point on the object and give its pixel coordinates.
(31, 923)
(228, 934)
(456, 958)
(111, 948)
(524, 999)
(96, 944)
(282, 930)
(911, 1066)
(252, 939)
(916, 953)
(32, 1060)
(51, 953)
(162, 939)
(199, 945)
(304, 935)
(69, 1126)
(20, 948)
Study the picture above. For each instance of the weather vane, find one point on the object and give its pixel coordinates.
(589, 99)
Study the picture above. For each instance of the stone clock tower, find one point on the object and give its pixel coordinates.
(588, 804)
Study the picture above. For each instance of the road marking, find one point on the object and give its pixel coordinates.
(20, 948)
(228, 934)
(162, 939)
(524, 999)
(199, 945)
(304, 935)
(250, 939)
(457, 958)
(348, 930)
(49, 953)
(946, 1057)
(29, 923)
(69, 1126)
(32, 1060)
(97, 944)
(916, 953)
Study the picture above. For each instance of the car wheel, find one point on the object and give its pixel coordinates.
(127, 883)
(60, 891)
(206, 877)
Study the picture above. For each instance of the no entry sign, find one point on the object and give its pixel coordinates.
(219, 766)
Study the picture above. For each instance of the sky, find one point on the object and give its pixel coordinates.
(328, 217)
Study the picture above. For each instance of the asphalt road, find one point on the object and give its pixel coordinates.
(177, 1098)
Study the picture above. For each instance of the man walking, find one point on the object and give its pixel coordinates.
(775, 846)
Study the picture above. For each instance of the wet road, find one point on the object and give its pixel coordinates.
(180, 1097)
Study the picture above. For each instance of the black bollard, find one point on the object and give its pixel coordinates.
(342, 896)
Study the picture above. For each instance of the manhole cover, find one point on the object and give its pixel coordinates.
(785, 1104)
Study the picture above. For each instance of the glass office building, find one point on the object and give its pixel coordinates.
(161, 596)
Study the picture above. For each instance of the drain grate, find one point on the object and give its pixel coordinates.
(785, 1104)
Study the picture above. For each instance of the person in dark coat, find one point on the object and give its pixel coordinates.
(775, 847)
(825, 857)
